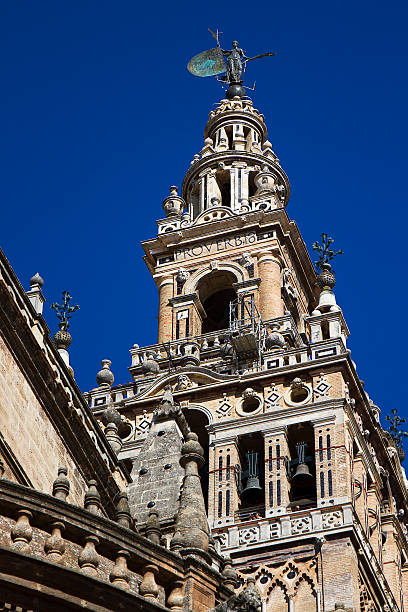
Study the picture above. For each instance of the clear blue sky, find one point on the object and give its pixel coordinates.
(100, 116)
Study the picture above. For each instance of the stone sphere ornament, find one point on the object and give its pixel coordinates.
(105, 377)
(274, 339)
(326, 279)
(111, 415)
(36, 280)
(62, 339)
(149, 365)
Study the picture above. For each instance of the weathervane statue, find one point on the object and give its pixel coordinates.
(231, 63)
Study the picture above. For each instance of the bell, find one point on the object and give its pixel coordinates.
(253, 493)
(302, 477)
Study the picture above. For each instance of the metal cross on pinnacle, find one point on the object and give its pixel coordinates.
(64, 311)
(396, 432)
(326, 254)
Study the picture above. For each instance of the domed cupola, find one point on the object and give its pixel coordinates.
(234, 163)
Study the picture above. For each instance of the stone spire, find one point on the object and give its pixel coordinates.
(156, 473)
(35, 294)
(191, 529)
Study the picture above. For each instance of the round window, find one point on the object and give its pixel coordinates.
(249, 405)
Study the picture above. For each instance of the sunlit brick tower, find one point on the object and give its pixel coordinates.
(304, 490)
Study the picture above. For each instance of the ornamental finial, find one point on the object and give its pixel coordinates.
(326, 254)
(395, 430)
(64, 311)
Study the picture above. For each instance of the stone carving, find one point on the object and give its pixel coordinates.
(301, 525)
(299, 393)
(190, 351)
(245, 260)
(223, 540)
(181, 276)
(183, 383)
(149, 365)
(232, 105)
(248, 535)
(105, 377)
(332, 519)
(248, 393)
(173, 205)
(288, 285)
(249, 600)
(274, 339)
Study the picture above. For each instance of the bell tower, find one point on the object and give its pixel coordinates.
(221, 239)
(304, 490)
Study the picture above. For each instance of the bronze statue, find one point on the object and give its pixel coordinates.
(231, 63)
(235, 66)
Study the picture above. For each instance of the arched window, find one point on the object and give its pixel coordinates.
(216, 292)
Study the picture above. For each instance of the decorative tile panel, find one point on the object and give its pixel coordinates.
(273, 397)
(322, 386)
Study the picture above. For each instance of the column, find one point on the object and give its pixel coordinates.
(276, 481)
(239, 177)
(271, 304)
(223, 499)
(213, 190)
(238, 137)
(165, 310)
(327, 481)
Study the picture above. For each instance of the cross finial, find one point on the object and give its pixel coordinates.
(64, 311)
(326, 254)
(395, 430)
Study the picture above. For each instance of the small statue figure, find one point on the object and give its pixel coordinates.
(235, 66)
(167, 396)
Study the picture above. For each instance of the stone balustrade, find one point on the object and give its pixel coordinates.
(210, 349)
(303, 524)
(83, 543)
(295, 524)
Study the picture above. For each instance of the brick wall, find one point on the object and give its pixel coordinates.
(29, 432)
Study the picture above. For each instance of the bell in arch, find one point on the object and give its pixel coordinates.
(253, 493)
(302, 477)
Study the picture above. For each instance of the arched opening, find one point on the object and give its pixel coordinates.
(302, 471)
(224, 183)
(216, 291)
(198, 421)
